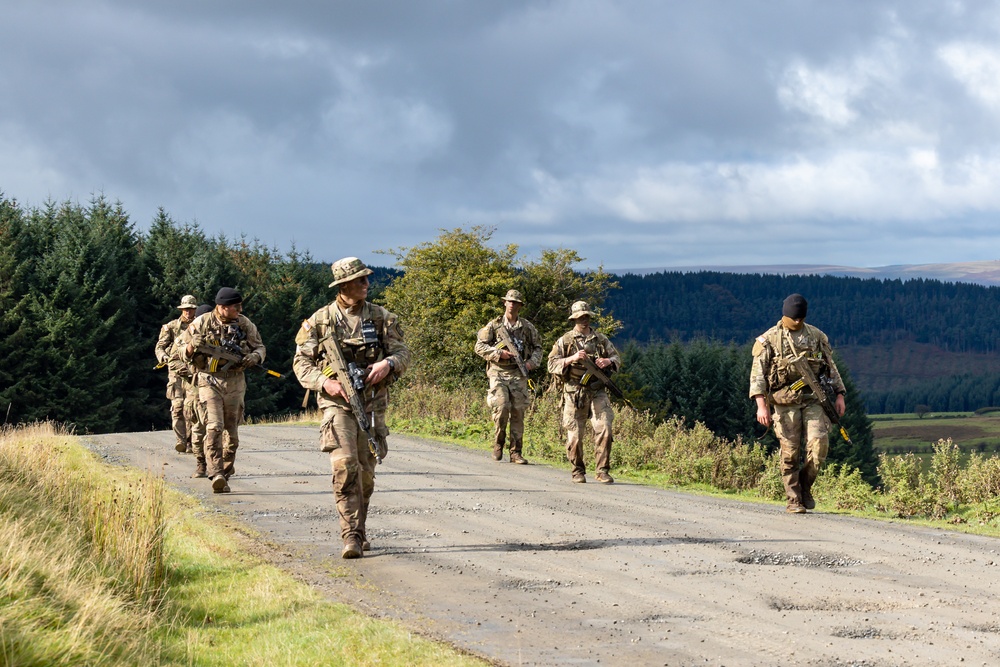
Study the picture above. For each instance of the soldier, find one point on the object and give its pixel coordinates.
(169, 335)
(369, 336)
(221, 384)
(798, 416)
(194, 408)
(583, 395)
(508, 395)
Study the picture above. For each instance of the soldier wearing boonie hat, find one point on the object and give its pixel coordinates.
(221, 384)
(169, 335)
(582, 394)
(509, 394)
(369, 336)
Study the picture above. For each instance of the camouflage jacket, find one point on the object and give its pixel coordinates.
(771, 373)
(170, 334)
(525, 337)
(211, 330)
(347, 326)
(574, 374)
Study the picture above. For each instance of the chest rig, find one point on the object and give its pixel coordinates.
(230, 339)
(578, 374)
(787, 345)
(360, 337)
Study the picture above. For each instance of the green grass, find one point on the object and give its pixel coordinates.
(102, 565)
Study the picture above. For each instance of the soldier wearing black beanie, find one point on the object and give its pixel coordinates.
(798, 417)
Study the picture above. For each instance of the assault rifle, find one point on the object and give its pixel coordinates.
(595, 371)
(507, 343)
(823, 391)
(352, 379)
(223, 357)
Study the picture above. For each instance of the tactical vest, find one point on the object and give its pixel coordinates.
(781, 373)
(364, 350)
(577, 374)
(516, 336)
(216, 333)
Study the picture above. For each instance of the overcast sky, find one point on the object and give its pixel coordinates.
(641, 133)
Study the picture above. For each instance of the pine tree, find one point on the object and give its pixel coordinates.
(85, 309)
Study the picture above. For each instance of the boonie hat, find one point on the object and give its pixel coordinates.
(347, 269)
(188, 301)
(227, 296)
(514, 295)
(579, 309)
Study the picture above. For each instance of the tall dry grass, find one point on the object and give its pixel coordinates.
(81, 554)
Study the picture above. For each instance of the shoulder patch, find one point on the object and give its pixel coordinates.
(306, 326)
(761, 340)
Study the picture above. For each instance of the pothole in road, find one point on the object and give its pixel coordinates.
(993, 628)
(528, 585)
(801, 560)
(862, 633)
(578, 545)
(827, 604)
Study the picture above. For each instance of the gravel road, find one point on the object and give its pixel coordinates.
(519, 565)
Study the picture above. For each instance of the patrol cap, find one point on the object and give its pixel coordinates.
(579, 309)
(795, 306)
(347, 269)
(514, 295)
(188, 301)
(227, 296)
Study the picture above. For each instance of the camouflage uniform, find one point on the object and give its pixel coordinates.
(222, 391)
(351, 461)
(583, 396)
(508, 396)
(195, 413)
(797, 415)
(170, 333)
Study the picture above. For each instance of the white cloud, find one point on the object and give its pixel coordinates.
(977, 67)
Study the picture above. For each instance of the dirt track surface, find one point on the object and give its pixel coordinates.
(517, 564)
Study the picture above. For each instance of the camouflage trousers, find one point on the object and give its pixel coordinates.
(508, 399)
(222, 396)
(795, 426)
(353, 466)
(577, 406)
(177, 393)
(196, 417)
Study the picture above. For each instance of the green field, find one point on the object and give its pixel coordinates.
(902, 433)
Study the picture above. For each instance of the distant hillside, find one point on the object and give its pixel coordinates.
(979, 273)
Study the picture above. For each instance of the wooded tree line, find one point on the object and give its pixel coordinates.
(957, 393)
(728, 307)
(83, 295)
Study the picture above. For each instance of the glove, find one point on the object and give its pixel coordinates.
(250, 360)
(381, 447)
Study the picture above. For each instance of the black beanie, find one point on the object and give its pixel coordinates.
(202, 309)
(795, 307)
(227, 296)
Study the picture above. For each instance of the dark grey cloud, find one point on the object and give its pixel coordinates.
(641, 133)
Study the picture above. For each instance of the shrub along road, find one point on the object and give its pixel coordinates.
(518, 564)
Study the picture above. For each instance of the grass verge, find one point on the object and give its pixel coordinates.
(103, 565)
